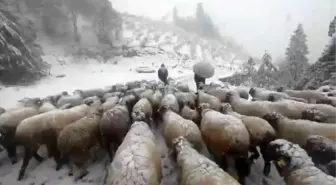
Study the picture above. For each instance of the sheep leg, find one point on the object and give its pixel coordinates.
(242, 166)
(107, 146)
(267, 159)
(255, 154)
(80, 163)
(38, 157)
(28, 154)
(11, 152)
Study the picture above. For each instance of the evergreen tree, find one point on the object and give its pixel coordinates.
(248, 67)
(324, 70)
(297, 62)
(175, 15)
(266, 72)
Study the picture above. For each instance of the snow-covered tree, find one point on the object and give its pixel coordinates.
(249, 67)
(296, 60)
(175, 15)
(324, 70)
(266, 73)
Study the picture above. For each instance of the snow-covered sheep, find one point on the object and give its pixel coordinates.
(295, 165)
(76, 140)
(46, 106)
(73, 100)
(297, 131)
(114, 125)
(142, 111)
(261, 133)
(171, 101)
(99, 92)
(243, 92)
(310, 95)
(196, 168)
(25, 102)
(182, 87)
(226, 135)
(137, 160)
(220, 93)
(44, 129)
(264, 95)
(174, 126)
(9, 121)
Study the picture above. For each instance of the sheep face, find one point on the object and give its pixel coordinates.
(138, 116)
(229, 96)
(271, 98)
(252, 91)
(163, 109)
(79, 92)
(273, 119)
(202, 107)
(280, 89)
(317, 146)
(287, 156)
(330, 94)
(314, 115)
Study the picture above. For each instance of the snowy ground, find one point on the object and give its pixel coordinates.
(90, 75)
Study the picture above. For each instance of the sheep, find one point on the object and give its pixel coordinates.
(90, 99)
(73, 100)
(147, 93)
(295, 165)
(196, 169)
(46, 106)
(186, 97)
(261, 133)
(99, 92)
(264, 95)
(175, 126)
(114, 125)
(321, 149)
(76, 140)
(54, 98)
(25, 102)
(142, 111)
(297, 131)
(137, 160)
(213, 101)
(324, 88)
(332, 93)
(9, 121)
(182, 87)
(226, 135)
(110, 103)
(132, 85)
(119, 88)
(171, 101)
(137, 91)
(44, 129)
(155, 99)
(243, 92)
(220, 93)
(108, 95)
(289, 108)
(190, 114)
(310, 95)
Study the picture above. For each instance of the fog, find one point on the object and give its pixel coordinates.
(258, 25)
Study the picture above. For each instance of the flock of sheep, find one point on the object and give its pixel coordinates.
(294, 129)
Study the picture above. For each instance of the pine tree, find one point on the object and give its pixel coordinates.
(266, 72)
(324, 70)
(296, 60)
(248, 67)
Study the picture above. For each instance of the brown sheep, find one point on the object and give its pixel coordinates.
(321, 149)
(175, 126)
(115, 124)
(110, 103)
(196, 169)
(76, 140)
(213, 101)
(261, 133)
(297, 131)
(226, 135)
(137, 160)
(9, 121)
(44, 129)
(190, 114)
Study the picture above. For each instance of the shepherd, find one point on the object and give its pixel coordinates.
(163, 74)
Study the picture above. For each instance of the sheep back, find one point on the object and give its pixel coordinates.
(137, 158)
(224, 133)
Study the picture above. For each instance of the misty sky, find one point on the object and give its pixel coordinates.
(258, 25)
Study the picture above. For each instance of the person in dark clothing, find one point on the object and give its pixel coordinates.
(198, 79)
(163, 74)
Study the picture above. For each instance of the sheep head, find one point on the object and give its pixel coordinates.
(317, 145)
(252, 91)
(314, 115)
(272, 97)
(287, 156)
(230, 95)
(273, 119)
(330, 94)
(225, 108)
(280, 89)
(180, 143)
(164, 108)
(203, 106)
